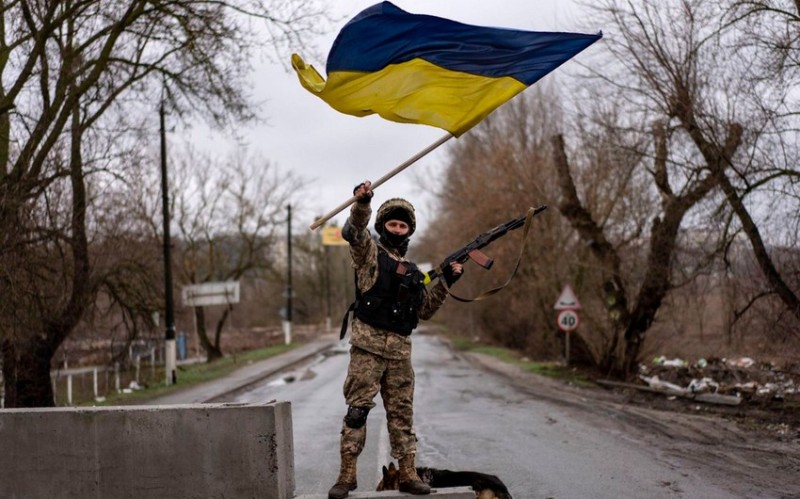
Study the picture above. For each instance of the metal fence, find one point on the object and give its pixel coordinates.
(95, 383)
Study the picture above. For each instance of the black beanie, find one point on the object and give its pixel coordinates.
(398, 214)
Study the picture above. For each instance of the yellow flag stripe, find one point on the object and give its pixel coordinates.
(412, 92)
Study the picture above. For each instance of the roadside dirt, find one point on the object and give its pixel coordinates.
(751, 449)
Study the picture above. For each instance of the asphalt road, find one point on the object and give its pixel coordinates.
(543, 441)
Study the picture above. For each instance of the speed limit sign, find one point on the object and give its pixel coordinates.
(568, 320)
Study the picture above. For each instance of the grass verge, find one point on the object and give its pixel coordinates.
(192, 374)
(549, 369)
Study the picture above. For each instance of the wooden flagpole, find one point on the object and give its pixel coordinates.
(383, 179)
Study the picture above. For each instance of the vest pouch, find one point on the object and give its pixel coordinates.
(370, 303)
(397, 311)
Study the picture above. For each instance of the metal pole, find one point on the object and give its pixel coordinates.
(380, 181)
(327, 288)
(169, 343)
(287, 325)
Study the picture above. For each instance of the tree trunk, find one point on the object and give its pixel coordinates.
(656, 284)
(26, 373)
(765, 263)
(212, 351)
(9, 363)
(220, 325)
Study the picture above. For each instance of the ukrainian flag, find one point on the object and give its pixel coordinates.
(414, 68)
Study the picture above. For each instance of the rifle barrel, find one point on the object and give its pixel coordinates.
(519, 222)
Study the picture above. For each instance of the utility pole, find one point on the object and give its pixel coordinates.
(287, 324)
(327, 288)
(169, 343)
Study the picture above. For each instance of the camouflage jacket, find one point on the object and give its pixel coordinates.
(364, 251)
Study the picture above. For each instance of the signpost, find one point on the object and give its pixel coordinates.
(287, 322)
(567, 319)
(209, 293)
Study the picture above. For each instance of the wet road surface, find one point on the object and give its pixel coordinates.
(467, 418)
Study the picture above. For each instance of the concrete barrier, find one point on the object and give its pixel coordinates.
(186, 451)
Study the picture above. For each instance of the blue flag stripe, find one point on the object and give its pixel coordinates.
(385, 34)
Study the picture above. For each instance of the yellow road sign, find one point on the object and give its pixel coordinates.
(332, 236)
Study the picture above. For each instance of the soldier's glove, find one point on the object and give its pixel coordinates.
(365, 199)
(450, 277)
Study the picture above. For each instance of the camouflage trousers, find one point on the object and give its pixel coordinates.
(367, 375)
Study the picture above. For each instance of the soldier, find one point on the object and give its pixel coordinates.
(391, 298)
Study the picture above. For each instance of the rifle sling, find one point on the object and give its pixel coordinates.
(492, 291)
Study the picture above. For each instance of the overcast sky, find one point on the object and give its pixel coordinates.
(333, 151)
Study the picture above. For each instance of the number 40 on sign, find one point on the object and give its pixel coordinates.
(568, 320)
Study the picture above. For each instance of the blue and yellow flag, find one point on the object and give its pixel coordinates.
(414, 68)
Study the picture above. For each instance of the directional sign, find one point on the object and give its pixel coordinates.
(568, 320)
(567, 300)
(211, 293)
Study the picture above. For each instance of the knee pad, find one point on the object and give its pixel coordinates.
(356, 417)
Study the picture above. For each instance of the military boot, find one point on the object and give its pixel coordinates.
(348, 478)
(409, 480)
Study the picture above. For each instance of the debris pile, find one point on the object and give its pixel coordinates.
(760, 396)
(743, 378)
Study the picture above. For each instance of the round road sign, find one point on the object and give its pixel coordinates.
(568, 320)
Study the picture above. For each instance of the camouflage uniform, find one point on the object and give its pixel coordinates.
(380, 361)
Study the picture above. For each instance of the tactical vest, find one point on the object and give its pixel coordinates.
(393, 302)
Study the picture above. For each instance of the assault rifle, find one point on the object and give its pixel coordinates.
(472, 250)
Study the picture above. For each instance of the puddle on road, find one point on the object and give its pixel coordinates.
(292, 377)
(280, 382)
(335, 351)
(308, 374)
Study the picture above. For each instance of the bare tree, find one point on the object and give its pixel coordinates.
(228, 214)
(671, 74)
(71, 72)
(635, 194)
(646, 162)
(771, 29)
(769, 51)
(711, 130)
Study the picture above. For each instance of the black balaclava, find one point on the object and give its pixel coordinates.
(395, 209)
